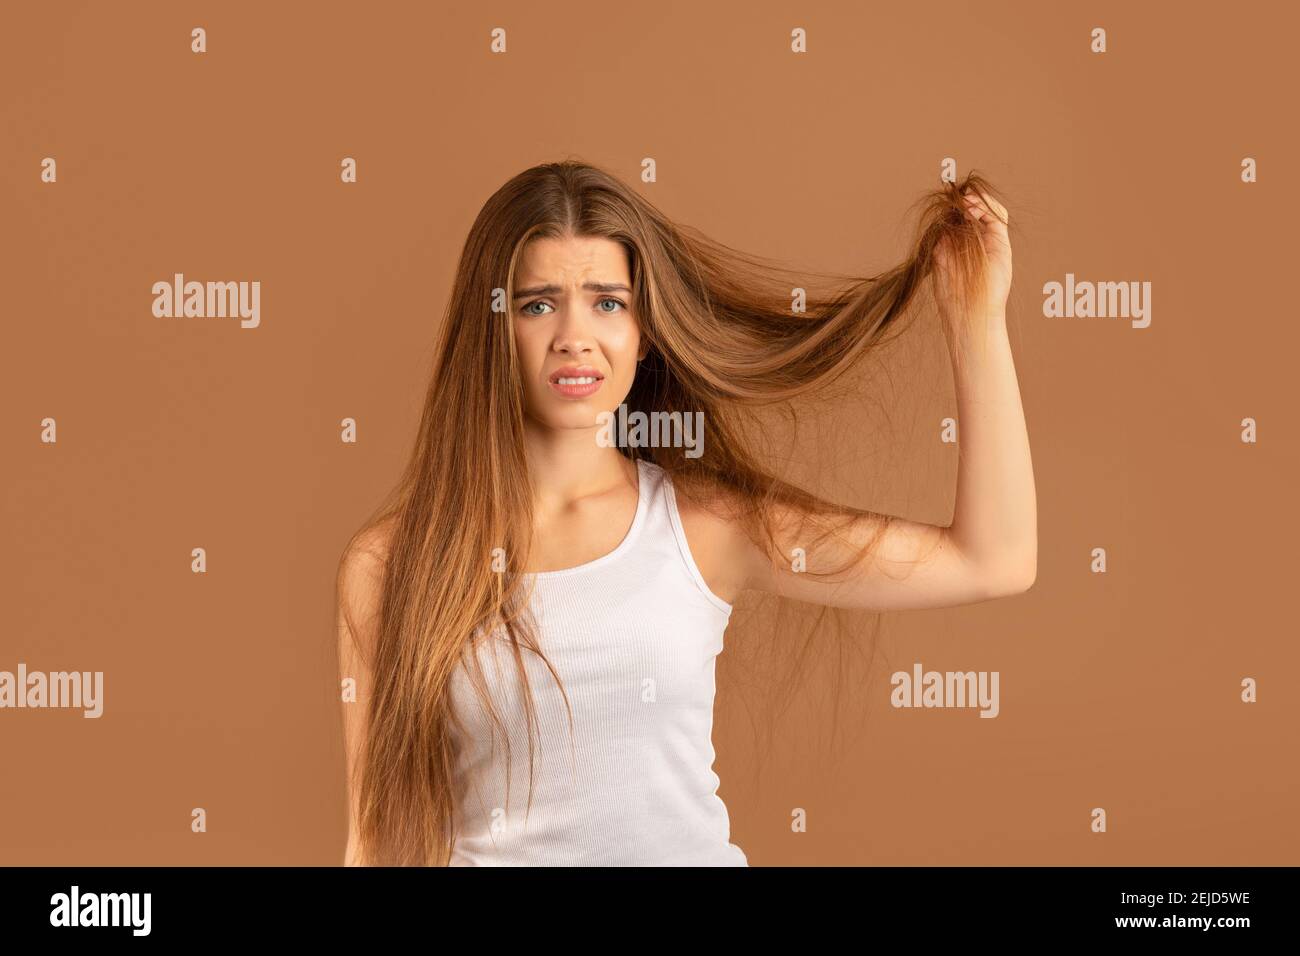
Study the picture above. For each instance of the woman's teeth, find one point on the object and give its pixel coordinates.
(576, 381)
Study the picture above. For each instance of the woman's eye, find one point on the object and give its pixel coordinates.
(528, 309)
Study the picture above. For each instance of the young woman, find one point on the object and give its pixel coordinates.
(532, 584)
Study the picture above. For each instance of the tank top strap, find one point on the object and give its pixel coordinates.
(662, 536)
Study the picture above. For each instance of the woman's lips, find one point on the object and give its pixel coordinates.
(577, 386)
(576, 381)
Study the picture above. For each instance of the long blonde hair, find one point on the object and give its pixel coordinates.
(724, 340)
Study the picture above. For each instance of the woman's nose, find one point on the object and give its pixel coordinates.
(571, 333)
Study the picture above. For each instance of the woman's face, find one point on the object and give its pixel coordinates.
(576, 336)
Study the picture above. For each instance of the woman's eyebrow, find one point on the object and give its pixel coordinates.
(556, 290)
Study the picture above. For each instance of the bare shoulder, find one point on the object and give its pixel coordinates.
(370, 545)
(359, 582)
(722, 550)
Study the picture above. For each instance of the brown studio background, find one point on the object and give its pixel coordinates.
(1118, 690)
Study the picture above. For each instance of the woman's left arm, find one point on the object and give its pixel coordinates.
(991, 548)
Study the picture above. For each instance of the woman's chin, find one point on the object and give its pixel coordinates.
(571, 416)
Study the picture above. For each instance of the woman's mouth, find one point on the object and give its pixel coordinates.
(576, 382)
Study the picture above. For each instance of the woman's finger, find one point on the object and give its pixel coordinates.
(995, 207)
(974, 207)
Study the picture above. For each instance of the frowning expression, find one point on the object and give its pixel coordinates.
(577, 339)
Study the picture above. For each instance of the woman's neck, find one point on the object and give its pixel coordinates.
(568, 465)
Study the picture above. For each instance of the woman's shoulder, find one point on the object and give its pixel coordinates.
(711, 520)
(359, 587)
(363, 563)
(372, 543)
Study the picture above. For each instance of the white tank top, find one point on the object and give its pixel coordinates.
(633, 635)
